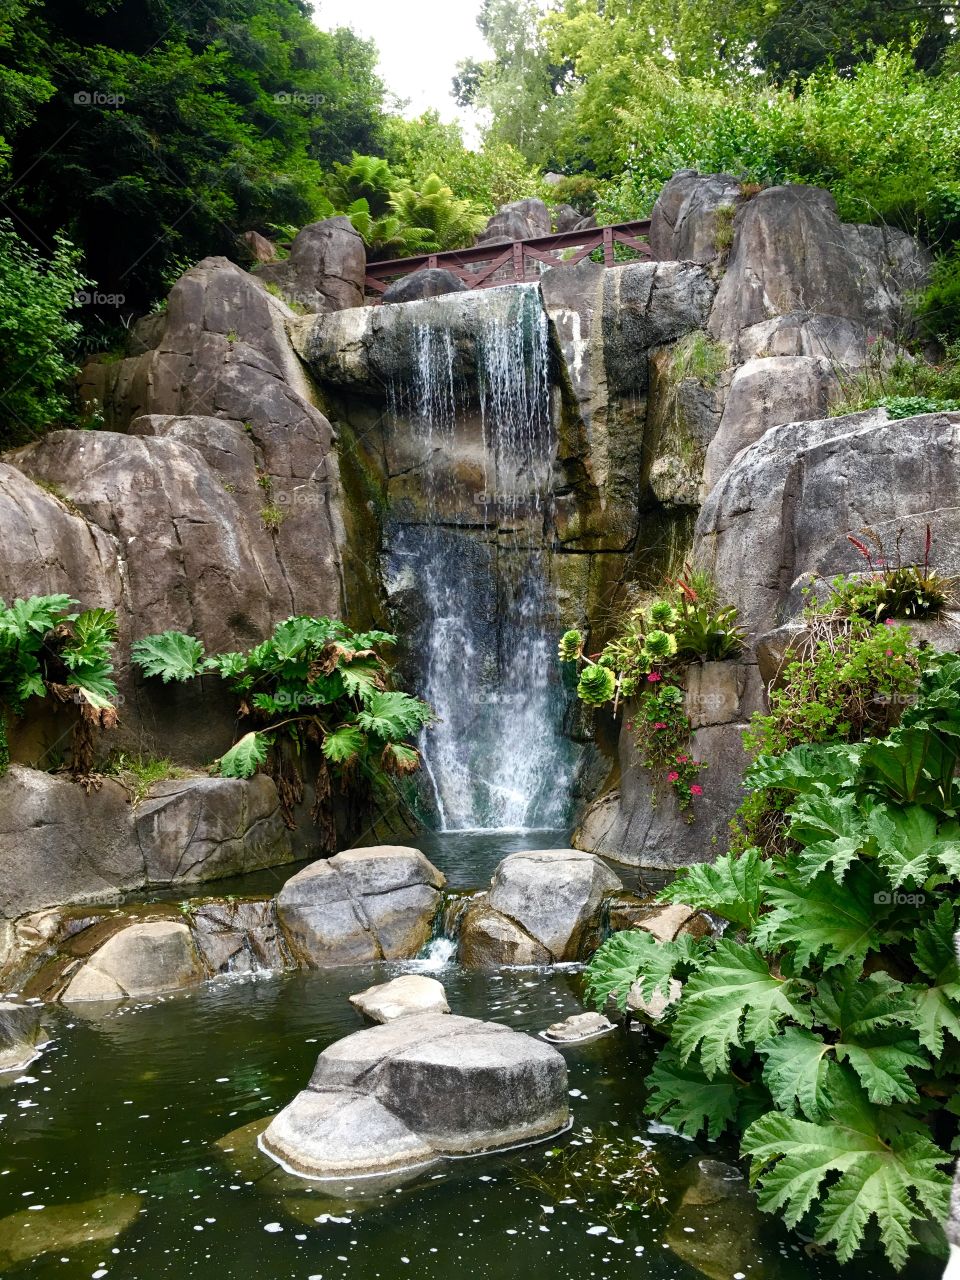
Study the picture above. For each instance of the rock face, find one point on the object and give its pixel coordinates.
(364, 904)
(428, 283)
(326, 267)
(141, 960)
(538, 910)
(60, 844)
(406, 1094)
(684, 222)
(412, 993)
(19, 1033)
(521, 220)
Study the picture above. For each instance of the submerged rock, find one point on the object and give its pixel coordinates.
(579, 1027)
(364, 904)
(402, 1096)
(58, 1227)
(19, 1033)
(409, 994)
(714, 1229)
(141, 960)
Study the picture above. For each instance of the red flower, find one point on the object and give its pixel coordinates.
(672, 777)
(653, 677)
(682, 759)
(696, 790)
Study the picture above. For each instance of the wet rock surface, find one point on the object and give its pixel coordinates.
(412, 993)
(365, 904)
(19, 1034)
(140, 960)
(419, 1088)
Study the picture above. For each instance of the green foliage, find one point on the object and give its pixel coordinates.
(46, 650)
(37, 296)
(635, 956)
(138, 773)
(697, 356)
(827, 1034)
(314, 681)
(901, 383)
(155, 134)
(597, 685)
(939, 304)
(571, 646)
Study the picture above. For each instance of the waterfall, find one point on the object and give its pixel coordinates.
(474, 555)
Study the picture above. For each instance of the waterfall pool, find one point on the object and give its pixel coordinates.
(127, 1149)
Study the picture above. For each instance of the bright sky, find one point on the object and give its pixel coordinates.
(420, 43)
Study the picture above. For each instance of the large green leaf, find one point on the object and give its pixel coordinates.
(172, 655)
(245, 757)
(936, 1008)
(682, 1094)
(795, 1070)
(912, 763)
(895, 1180)
(806, 768)
(732, 887)
(831, 827)
(635, 955)
(733, 1002)
(343, 744)
(818, 921)
(392, 716)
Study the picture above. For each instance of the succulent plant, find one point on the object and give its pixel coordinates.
(571, 646)
(596, 685)
(660, 645)
(663, 614)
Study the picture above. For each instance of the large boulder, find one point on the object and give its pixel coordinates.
(240, 936)
(415, 1090)
(364, 904)
(521, 220)
(326, 267)
(684, 222)
(60, 843)
(783, 509)
(210, 828)
(141, 960)
(487, 940)
(553, 896)
(430, 282)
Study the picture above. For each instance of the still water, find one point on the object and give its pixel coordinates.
(127, 1150)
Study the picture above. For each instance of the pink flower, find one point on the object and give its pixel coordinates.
(682, 759)
(653, 677)
(672, 777)
(630, 724)
(696, 790)
(661, 724)
(889, 623)
(888, 653)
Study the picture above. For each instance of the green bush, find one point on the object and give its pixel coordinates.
(901, 383)
(939, 306)
(314, 681)
(824, 1028)
(47, 650)
(37, 296)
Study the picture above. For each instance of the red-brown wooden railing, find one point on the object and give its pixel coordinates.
(506, 262)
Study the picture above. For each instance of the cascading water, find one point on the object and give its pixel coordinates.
(476, 558)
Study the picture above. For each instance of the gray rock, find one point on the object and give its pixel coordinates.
(566, 218)
(417, 1089)
(553, 895)
(488, 940)
(766, 393)
(579, 1027)
(521, 220)
(62, 1228)
(411, 993)
(141, 960)
(240, 937)
(652, 1010)
(259, 247)
(364, 904)
(427, 283)
(206, 828)
(19, 1033)
(326, 268)
(683, 224)
(60, 844)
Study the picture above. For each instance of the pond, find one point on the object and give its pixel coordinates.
(126, 1128)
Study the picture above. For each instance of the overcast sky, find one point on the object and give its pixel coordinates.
(420, 43)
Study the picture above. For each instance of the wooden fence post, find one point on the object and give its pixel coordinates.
(517, 260)
(608, 246)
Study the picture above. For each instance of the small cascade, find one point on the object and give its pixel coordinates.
(475, 397)
(441, 950)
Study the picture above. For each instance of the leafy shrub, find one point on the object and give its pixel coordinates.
(901, 383)
(47, 650)
(825, 1031)
(939, 305)
(893, 588)
(646, 660)
(314, 681)
(36, 297)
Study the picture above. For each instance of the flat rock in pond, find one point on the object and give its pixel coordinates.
(410, 993)
(579, 1027)
(403, 1095)
(58, 1227)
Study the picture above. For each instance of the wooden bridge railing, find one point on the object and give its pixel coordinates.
(507, 262)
